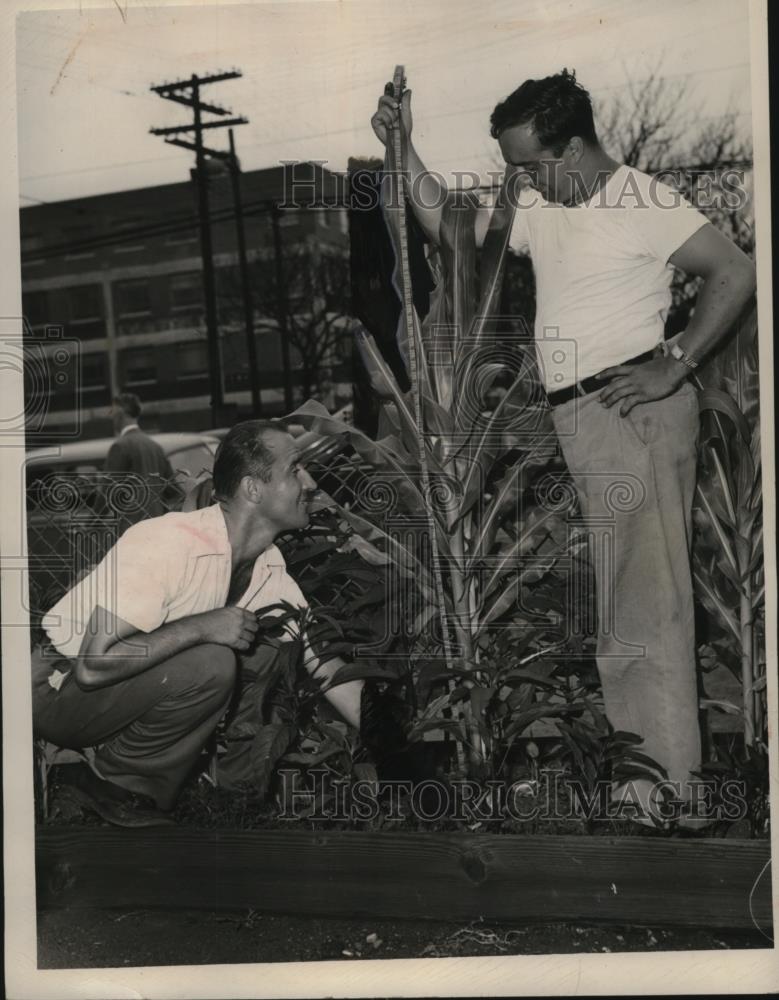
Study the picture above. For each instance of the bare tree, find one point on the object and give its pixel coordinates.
(642, 125)
(656, 124)
(310, 298)
(318, 322)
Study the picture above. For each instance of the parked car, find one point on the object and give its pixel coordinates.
(188, 453)
(298, 431)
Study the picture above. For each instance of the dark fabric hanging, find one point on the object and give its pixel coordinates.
(374, 300)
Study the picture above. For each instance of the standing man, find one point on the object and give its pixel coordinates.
(141, 654)
(604, 239)
(135, 452)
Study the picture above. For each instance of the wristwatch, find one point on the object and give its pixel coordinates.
(676, 352)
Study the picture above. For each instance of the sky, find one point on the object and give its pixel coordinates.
(313, 71)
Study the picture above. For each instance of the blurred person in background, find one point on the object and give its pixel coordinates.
(137, 453)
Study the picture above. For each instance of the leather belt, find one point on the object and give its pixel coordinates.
(592, 383)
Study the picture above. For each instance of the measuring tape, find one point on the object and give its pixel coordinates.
(405, 290)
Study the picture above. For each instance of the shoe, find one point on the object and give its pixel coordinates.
(635, 802)
(116, 805)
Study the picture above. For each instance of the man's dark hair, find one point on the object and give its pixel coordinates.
(243, 452)
(557, 108)
(128, 403)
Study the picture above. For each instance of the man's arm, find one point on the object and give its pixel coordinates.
(426, 192)
(729, 281)
(113, 650)
(343, 697)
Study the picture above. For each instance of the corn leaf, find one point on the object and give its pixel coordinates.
(402, 557)
(387, 455)
(714, 521)
(707, 593)
(716, 399)
(536, 522)
(492, 268)
(384, 384)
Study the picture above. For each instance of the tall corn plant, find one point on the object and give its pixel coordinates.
(481, 465)
(728, 549)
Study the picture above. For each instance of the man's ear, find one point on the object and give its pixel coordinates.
(251, 489)
(575, 148)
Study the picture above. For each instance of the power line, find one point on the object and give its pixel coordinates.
(86, 170)
(172, 227)
(170, 224)
(434, 117)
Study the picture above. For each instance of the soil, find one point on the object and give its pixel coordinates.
(116, 938)
(91, 938)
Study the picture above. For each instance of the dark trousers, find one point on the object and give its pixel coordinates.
(150, 728)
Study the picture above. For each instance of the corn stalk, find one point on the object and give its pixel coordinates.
(438, 453)
(728, 549)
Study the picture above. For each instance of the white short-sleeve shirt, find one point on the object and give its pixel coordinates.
(163, 569)
(602, 274)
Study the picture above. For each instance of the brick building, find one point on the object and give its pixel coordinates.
(121, 275)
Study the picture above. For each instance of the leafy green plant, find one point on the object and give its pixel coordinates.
(728, 550)
(745, 770)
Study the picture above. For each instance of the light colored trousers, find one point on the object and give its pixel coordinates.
(635, 477)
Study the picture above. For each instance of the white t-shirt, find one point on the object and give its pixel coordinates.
(163, 569)
(602, 273)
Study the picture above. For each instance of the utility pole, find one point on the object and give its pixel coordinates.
(248, 308)
(187, 92)
(281, 308)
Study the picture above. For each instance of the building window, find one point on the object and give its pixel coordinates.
(191, 361)
(138, 367)
(129, 229)
(132, 297)
(128, 224)
(85, 302)
(180, 239)
(84, 307)
(94, 373)
(77, 236)
(186, 291)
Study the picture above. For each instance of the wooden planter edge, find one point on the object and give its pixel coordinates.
(712, 883)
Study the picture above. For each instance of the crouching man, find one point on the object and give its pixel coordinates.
(142, 655)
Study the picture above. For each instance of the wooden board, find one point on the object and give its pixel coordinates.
(637, 880)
